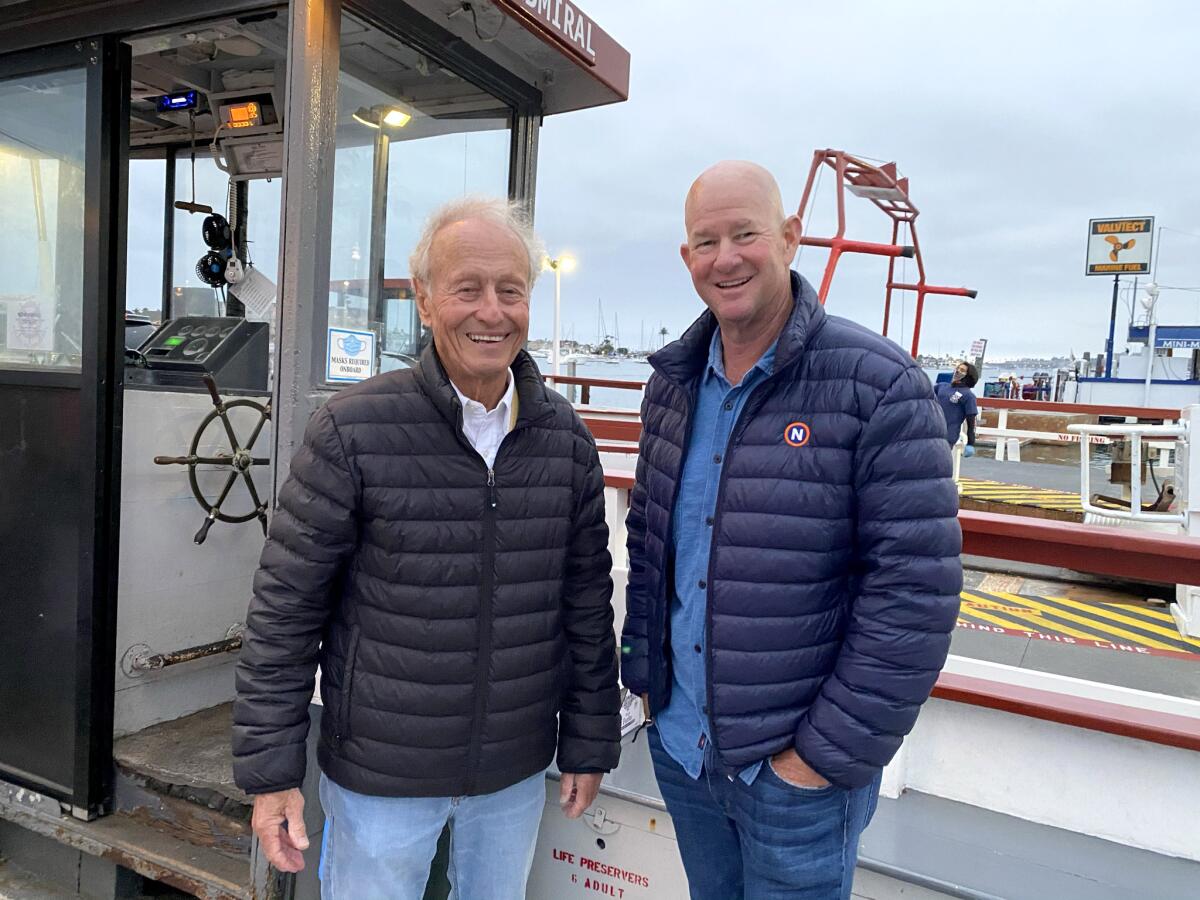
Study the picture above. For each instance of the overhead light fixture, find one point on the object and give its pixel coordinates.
(363, 117)
(396, 118)
(376, 116)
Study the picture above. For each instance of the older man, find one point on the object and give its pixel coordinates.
(793, 556)
(440, 549)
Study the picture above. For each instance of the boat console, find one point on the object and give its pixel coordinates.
(179, 354)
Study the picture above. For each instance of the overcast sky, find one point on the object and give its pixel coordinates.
(1016, 122)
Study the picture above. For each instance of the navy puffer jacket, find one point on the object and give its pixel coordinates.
(835, 565)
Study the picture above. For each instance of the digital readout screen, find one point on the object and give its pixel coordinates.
(242, 115)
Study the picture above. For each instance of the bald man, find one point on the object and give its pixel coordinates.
(793, 559)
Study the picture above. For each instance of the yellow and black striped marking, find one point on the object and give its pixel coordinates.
(1108, 626)
(1019, 494)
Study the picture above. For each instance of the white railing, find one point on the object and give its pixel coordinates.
(1008, 439)
(1134, 434)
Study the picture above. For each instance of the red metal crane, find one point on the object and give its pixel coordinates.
(883, 187)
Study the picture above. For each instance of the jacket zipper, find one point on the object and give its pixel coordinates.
(734, 434)
(487, 586)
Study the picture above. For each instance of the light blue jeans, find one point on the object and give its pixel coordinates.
(381, 847)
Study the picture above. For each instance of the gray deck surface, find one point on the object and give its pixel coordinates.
(977, 851)
(1035, 474)
(873, 886)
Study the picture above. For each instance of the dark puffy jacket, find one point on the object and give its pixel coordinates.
(454, 614)
(835, 570)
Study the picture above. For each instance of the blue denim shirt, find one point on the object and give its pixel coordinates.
(683, 725)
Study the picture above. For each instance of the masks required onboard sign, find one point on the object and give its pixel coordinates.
(351, 355)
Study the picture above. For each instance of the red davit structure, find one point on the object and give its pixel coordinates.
(882, 186)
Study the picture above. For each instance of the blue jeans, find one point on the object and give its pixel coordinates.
(380, 848)
(765, 840)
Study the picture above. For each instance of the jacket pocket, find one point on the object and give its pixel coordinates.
(343, 722)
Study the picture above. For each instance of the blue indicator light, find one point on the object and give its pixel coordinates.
(182, 100)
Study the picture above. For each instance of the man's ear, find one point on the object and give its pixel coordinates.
(686, 252)
(421, 294)
(792, 230)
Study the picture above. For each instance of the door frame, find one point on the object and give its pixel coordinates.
(99, 382)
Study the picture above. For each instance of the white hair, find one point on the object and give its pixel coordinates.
(500, 212)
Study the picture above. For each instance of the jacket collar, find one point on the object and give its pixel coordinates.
(683, 360)
(533, 404)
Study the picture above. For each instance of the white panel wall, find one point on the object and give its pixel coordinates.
(172, 593)
(1120, 789)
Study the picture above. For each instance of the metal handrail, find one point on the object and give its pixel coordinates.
(1134, 434)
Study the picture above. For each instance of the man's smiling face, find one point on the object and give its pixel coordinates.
(477, 302)
(739, 244)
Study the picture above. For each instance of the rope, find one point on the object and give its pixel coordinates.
(812, 205)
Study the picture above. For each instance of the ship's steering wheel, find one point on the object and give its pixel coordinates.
(240, 460)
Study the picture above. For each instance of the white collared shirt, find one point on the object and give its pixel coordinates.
(486, 429)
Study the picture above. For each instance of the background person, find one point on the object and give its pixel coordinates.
(959, 405)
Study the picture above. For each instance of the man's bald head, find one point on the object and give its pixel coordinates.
(739, 248)
(735, 177)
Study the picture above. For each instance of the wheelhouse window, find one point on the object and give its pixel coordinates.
(42, 220)
(411, 135)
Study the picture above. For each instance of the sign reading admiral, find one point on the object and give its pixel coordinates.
(1119, 246)
(568, 21)
(565, 21)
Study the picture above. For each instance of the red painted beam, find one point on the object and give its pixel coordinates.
(845, 245)
(935, 289)
(1066, 709)
(619, 480)
(629, 430)
(1120, 552)
(597, 382)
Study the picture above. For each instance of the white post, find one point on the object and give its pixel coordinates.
(1135, 473)
(1151, 304)
(1150, 361)
(1001, 426)
(557, 305)
(1186, 609)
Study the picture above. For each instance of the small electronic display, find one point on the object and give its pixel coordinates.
(181, 100)
(245, 112)
(242, 115)
(173, 341)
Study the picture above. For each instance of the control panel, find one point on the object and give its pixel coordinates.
(182, 350)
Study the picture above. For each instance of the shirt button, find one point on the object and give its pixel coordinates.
(703, 584)
(728, 406)
(697, 649)
(716, 457)
(708, 520)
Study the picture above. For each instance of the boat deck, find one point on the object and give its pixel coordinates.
(1079, 630)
